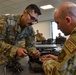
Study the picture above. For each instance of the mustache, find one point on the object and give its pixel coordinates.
(30, 24)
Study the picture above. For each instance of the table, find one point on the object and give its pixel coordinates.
(38, 43)
(45, 46)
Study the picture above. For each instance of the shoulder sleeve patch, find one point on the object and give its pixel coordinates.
(71, 46)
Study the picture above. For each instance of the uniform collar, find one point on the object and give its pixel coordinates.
(17, 26)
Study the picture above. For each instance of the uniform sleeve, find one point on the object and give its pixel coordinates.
(6, 49)
(30, 40)
(69, 48)
(60, 66)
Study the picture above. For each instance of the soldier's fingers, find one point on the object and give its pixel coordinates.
(36, 52)
(25, 51)
(19, 54)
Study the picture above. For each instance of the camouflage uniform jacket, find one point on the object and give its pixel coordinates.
(63, 66)
(39, 37)
(11, 33)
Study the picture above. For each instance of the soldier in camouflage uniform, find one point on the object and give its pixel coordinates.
(16, 27)
(39, 37)
(65, 17)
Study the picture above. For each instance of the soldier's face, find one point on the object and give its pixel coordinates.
(30, 18)
(62, 23)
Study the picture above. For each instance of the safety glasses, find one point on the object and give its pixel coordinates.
(32, 18)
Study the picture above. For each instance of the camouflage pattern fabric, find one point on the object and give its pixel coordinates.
(39, 37)
(66, 59)
(10, 35)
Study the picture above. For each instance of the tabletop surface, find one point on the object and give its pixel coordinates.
(46, 45)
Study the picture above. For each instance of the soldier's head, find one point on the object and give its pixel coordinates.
(65, 17)
(30, 15)
(37, 31)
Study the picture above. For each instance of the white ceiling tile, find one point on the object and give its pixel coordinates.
(17, 6)
(1, 6)
(34, 1)
(7, 8)
(18, 1)
(7, 3)
(2, 0)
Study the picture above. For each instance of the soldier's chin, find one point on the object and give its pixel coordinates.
(29, 24)
(66, 34)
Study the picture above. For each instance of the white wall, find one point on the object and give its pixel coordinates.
(43, 27)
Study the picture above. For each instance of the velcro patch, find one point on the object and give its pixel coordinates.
(70, 46)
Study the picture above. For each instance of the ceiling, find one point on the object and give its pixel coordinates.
(17, 7)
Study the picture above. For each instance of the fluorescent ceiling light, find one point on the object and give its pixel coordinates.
(47, 7)
(7, 14)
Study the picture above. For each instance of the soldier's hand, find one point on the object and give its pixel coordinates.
(45, 57)
(21, 52)
(36, 53)
(48, 57)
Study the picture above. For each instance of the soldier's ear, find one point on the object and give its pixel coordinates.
(68, 20)
(24, 12)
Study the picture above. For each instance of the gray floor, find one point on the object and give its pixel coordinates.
(26, 70)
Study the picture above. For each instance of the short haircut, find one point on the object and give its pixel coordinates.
(33, 7)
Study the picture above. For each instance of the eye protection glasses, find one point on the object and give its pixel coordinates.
(32, 18)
